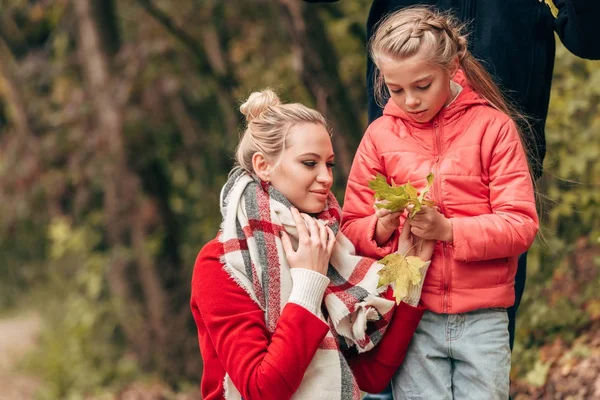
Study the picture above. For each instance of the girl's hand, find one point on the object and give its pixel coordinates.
(315, 244)
(411, 245)
(387, 223)
(429, 223)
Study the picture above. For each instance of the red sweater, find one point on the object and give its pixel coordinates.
(233, 338)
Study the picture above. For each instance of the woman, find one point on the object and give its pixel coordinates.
(283, 306)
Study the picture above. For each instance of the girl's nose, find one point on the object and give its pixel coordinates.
(412, 101)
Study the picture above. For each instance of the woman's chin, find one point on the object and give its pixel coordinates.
(313, 208)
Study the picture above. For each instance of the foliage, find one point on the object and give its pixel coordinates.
(81, 348)
(564, 273)
(404, 272)
(397, 198)
(176, 72)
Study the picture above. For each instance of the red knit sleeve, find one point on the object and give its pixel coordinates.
(262, 365)
(374, 369)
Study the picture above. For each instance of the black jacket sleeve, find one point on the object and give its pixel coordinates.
(578, 27)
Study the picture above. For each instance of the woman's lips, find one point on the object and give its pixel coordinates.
(320, 194)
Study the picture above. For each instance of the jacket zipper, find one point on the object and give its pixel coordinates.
(438, 200)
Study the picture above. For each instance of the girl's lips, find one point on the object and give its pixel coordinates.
(418, 113)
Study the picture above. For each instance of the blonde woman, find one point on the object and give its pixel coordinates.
(283, 306)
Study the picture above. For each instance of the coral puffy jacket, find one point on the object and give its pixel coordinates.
(481, 182)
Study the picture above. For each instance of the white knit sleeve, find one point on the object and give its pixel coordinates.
(308, 288)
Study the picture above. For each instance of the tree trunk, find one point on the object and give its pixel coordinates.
(21, 152)
(210, 59)
(121, 195)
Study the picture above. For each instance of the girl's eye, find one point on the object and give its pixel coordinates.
(310, 164)
(330, 164)
(396, 91)
(424, 87)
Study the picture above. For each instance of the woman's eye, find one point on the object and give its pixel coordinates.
(309, 164)
(330, 164)
(424, 87)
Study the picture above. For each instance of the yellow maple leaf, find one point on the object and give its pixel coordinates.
(399, 197)
(403, 271)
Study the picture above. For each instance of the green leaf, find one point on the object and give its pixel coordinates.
(399, 197)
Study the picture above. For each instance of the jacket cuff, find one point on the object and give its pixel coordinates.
(308, 288)
(388, 247)
(464, 243)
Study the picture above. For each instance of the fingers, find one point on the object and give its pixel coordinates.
(387, 216)
(323, 234)
(417, 231)
(313, 229)
(426, 249)
(331, 241)
(300, 225)
(287, 244)
(405, 235)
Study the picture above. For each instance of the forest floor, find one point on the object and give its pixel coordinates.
(572, 372)
(18, 334)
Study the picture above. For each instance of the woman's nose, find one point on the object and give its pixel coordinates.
(325, 177)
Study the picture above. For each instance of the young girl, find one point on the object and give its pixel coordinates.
(445, 115)
(279, 296)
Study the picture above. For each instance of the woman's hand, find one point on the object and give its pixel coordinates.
(387, 223)
(411, 245)
(315, 244)
(429, 223)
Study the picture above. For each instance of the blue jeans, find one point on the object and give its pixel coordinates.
(457, 356)
(512, 311)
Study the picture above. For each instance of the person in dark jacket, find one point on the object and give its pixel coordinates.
(515, 40)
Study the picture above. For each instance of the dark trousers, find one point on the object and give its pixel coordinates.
(512, 311)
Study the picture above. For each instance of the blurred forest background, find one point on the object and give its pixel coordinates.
(117, 125)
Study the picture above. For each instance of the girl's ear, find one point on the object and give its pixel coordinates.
(261, 166)
(454, 65)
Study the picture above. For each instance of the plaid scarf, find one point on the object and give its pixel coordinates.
(254, 213)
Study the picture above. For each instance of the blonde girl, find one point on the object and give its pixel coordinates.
(445, 115)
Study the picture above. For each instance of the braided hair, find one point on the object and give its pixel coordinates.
(438, 38)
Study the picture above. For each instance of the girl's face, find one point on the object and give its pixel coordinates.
(419, 88)
(304, 174)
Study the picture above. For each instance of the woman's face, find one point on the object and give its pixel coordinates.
(303, 174)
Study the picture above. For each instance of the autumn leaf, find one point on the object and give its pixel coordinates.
(395, 196)
(399, 197)
(426, 190)
(403, 272)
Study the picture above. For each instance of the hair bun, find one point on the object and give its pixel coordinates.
(258, 102)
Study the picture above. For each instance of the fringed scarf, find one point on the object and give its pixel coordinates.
(254, 214)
